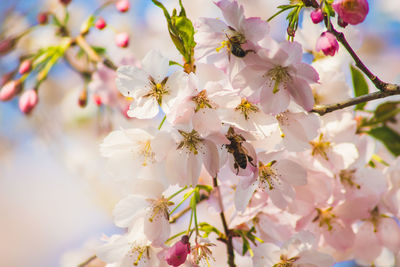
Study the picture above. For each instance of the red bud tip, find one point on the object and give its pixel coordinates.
(122, 5)
(42, 18)
(122, 39)
(9, 90)
(28, 101)
(100, 24)
(25, 66)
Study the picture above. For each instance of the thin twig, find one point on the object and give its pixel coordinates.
(379, 84)
(228, 232)
(86, 262)
(323, 109)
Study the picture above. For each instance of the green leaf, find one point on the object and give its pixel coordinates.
(386, 111)
(388, 137)
(56, 21)
(360, 85)
(180, 29)
(207, 229)
(99, 50)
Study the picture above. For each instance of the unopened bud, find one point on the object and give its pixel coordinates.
(42, 18)
(7, 45)
(100, 24)
(97, 100)
(327, 43)
(317, 16)
(28, 101)
(341, 23)
(177, 254)
(290, 31)
(82, 100)
(351, 11)
(10, 89)
(25, 66)
(122, 39)
(122, 5)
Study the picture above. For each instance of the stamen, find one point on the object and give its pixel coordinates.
(320, 147)
(190, 141)
(245, 107)
(267, 175)
(278, 75)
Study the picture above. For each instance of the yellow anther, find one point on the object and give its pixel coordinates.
(223, 44)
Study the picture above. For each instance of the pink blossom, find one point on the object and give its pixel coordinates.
(177, 254)
(28, 101)
(351, 11)
(277, 76)
(327, 43)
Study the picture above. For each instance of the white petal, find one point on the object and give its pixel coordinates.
(155, 65)
(143, 108)
(132, 81)
(291, 172)
(114, 250)
(127, 209)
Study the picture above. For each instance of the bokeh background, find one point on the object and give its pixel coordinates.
(56, 196)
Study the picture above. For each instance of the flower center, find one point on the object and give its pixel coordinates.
(267, 175)
(139, 253)
(233, 38)
(325, 217)
(320, 147)
(157, 89)
(347, 177)
(245, 107)
(159, 207)
(147, 153)
(202, 101)
(190, 141)
(278, 75)
(285, 261)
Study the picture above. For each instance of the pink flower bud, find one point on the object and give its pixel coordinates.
(176, 255)
(351, 11)
(122, 39)
(28, 101)
(9, 90)
(7, 45)
(65, 2)
(327, 43)
(97, 100)
(100, 24)
(25, 66)
(317, 16)
(42, 18)
(122, 5)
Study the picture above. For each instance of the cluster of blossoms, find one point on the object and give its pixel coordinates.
(304, 189)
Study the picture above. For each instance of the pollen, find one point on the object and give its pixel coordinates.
(147, 153)
(139, 253)
(245, 107)
(159, 208)
(267, 175)
(325, 218)
(191, 141)
(223, 44)
(278, 75)
(202, 101)
(157, 90)
(347, 177)
(285, 261)
(320, 147)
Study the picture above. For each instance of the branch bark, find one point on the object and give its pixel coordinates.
(228, 232)
(323, 109)
(379, 84)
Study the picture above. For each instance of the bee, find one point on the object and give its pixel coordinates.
(235, 44)
(240, 154)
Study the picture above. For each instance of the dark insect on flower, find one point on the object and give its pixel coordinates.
(239, 153)
(235, 44)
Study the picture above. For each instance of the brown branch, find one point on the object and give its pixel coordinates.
(228, 232)
(379, 84)
(88, 261)
(323, 109)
